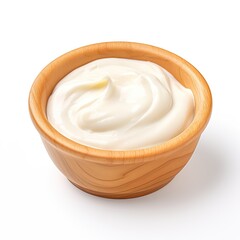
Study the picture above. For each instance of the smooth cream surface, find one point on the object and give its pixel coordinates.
(120, 104)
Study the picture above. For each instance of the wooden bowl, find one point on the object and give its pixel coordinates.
(119, 174)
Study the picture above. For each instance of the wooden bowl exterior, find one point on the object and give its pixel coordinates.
(119, 174)
(120, 180)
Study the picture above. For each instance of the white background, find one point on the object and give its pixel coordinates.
(37, 202)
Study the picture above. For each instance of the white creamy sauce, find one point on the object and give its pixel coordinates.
(120, 104)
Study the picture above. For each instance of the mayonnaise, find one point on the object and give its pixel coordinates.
(120, 104)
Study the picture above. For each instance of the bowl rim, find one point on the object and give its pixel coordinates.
(49, 133)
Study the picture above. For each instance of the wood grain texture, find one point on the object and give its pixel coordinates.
(119, 174)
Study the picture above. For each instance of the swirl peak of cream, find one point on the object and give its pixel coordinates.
(120, 104)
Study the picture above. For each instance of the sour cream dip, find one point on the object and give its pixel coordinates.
(120, 104)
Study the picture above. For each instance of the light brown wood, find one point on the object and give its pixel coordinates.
(119, 174)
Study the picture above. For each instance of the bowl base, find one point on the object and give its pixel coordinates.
(122, 195)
